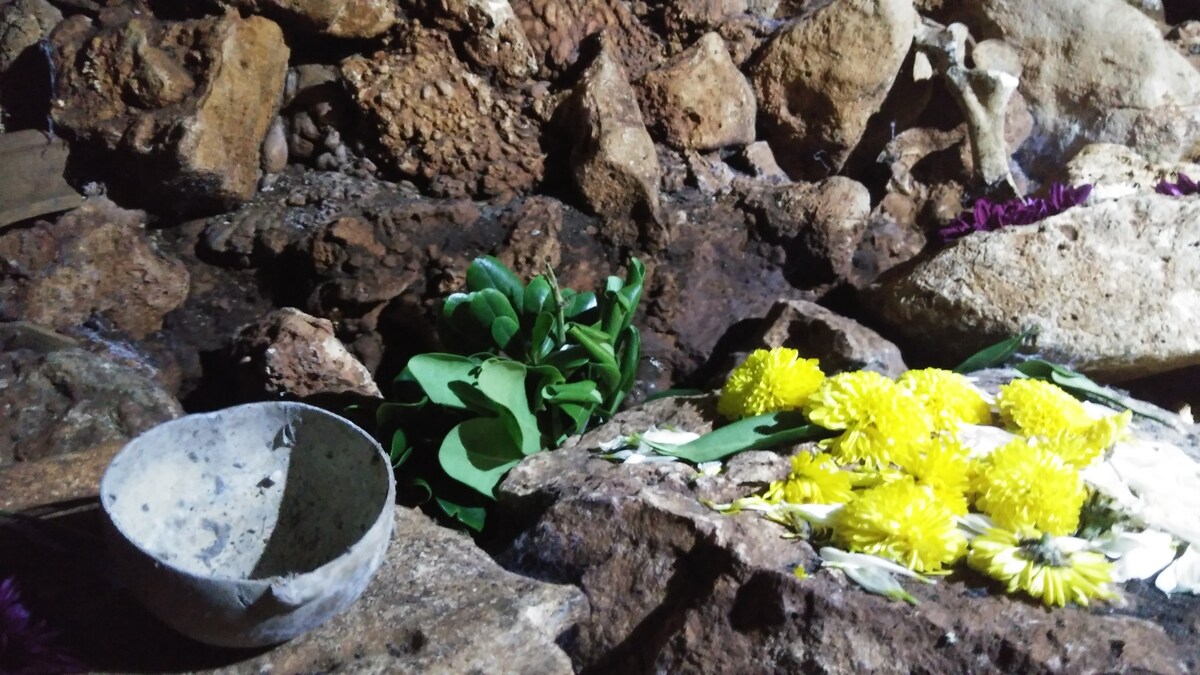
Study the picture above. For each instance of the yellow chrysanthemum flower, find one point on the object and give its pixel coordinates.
(902, 522)
(1038, 408)
(1039, 566)
(1082, 446)
(1023, 486)
(944, 466)
(814, 479)
(949, 397)
(882, 421)
(769, 381)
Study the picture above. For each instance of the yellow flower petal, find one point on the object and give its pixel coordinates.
(769, 381)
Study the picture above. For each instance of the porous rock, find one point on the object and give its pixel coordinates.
(838, 342)
(700, 100)
(95, 260)
(1110, 288)
(1095, 70)
(288, 352)
(821, 79)
(442, 125)
(490, 35)
(335, 18)
(58, 401)
(556, 30)
(612, 157)
(675, 586)
(180, 108)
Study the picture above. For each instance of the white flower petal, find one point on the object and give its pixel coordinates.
(1156, 483)
(658, 436)
(836, 557)
(618, 442)
(981, 440)
(974, 524)
(709, 468)
(1183, 575)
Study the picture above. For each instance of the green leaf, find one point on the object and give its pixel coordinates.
(996, 355)
(579, 415)
(472, 517)
(599, 347)
(419, 485)
(436, 373)
(478, 452)
(539, 296)
(488, 273)
(504, 330)
(578, 304)
(621, 298)
(489, 305)
(541, 339)
(631, 353)
(399, 450)
(752, 433)
(568, 359)
(503, 381)
(584, 393)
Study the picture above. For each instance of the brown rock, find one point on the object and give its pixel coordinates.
(612, 160)
(94, 260)
(840, 343)
(181, 107)
(675, 586)
(32, 184)
(820, 80)
(758, 160)
(440, 124)
(336, 18)
(69, 400)
(490, 35)
(22, 24)
(556, 30)
(699, 100)
(533, 237)
(288, 352)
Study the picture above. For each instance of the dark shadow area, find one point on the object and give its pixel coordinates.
(61, 568)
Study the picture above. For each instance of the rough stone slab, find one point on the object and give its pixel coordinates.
(32, 182)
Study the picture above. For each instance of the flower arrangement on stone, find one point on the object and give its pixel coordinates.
(26, 645)
(1043, 492)
(987, 215)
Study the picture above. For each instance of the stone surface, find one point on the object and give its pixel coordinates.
(1095, 71)
(612, 157)
(336, 18)
(22, 24)
(699, 100)
(440, 124)
(1110, 286)
(840, 343)
(819, 80)
(288, 352)
(438, 604)
(95, 260)
(677, 587)
(556, 29)
(67, 400)
(490, 35)
(1186, 38)
(175, 110)
(1114, 171)
(32, 183)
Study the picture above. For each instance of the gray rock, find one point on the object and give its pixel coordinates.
(22, 24)
(1110, 286)
(840, 343)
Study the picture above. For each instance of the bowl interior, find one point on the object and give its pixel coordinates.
(250, 492)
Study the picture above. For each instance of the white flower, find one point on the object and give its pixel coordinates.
(708, 468)
(1183, 575)
(981, 440)
(1138, 555)
(643, 447)
(872, 572)
(1155, 483)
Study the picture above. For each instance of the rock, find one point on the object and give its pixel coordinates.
(32, 184)
(757, 160)
(699, 100)
(612, 159)
(335, 18)
(177, 109)
(1115, 171)
(673, 584)
(1186, 38)
(819, 80)
(492, 36)
(533, 242)
(710, 174)
(289, 353)
(22, 24)
(840, 343)
(1110, 287)
(442, 125)
(68, 400)
(274, 148)
(1095, 71)
(95, 260)
(557, 28)
(683, 21)
(438, 604)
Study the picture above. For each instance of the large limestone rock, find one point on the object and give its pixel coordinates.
(176, 109)
(819, 80)
(336, 18)
(1096, 70)
(613, 160)
(94, 261)
(677, 587)
(489, 34)
(700, 100)
(1111, 288)
(440, 124)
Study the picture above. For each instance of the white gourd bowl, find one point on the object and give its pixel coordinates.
(251, 525)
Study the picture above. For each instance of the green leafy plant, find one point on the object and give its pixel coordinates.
(529, 365)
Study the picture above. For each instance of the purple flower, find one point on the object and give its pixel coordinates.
(986, 215)
(26, 646)
(1181, 188)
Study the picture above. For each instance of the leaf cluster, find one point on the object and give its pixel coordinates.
(527, 366)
